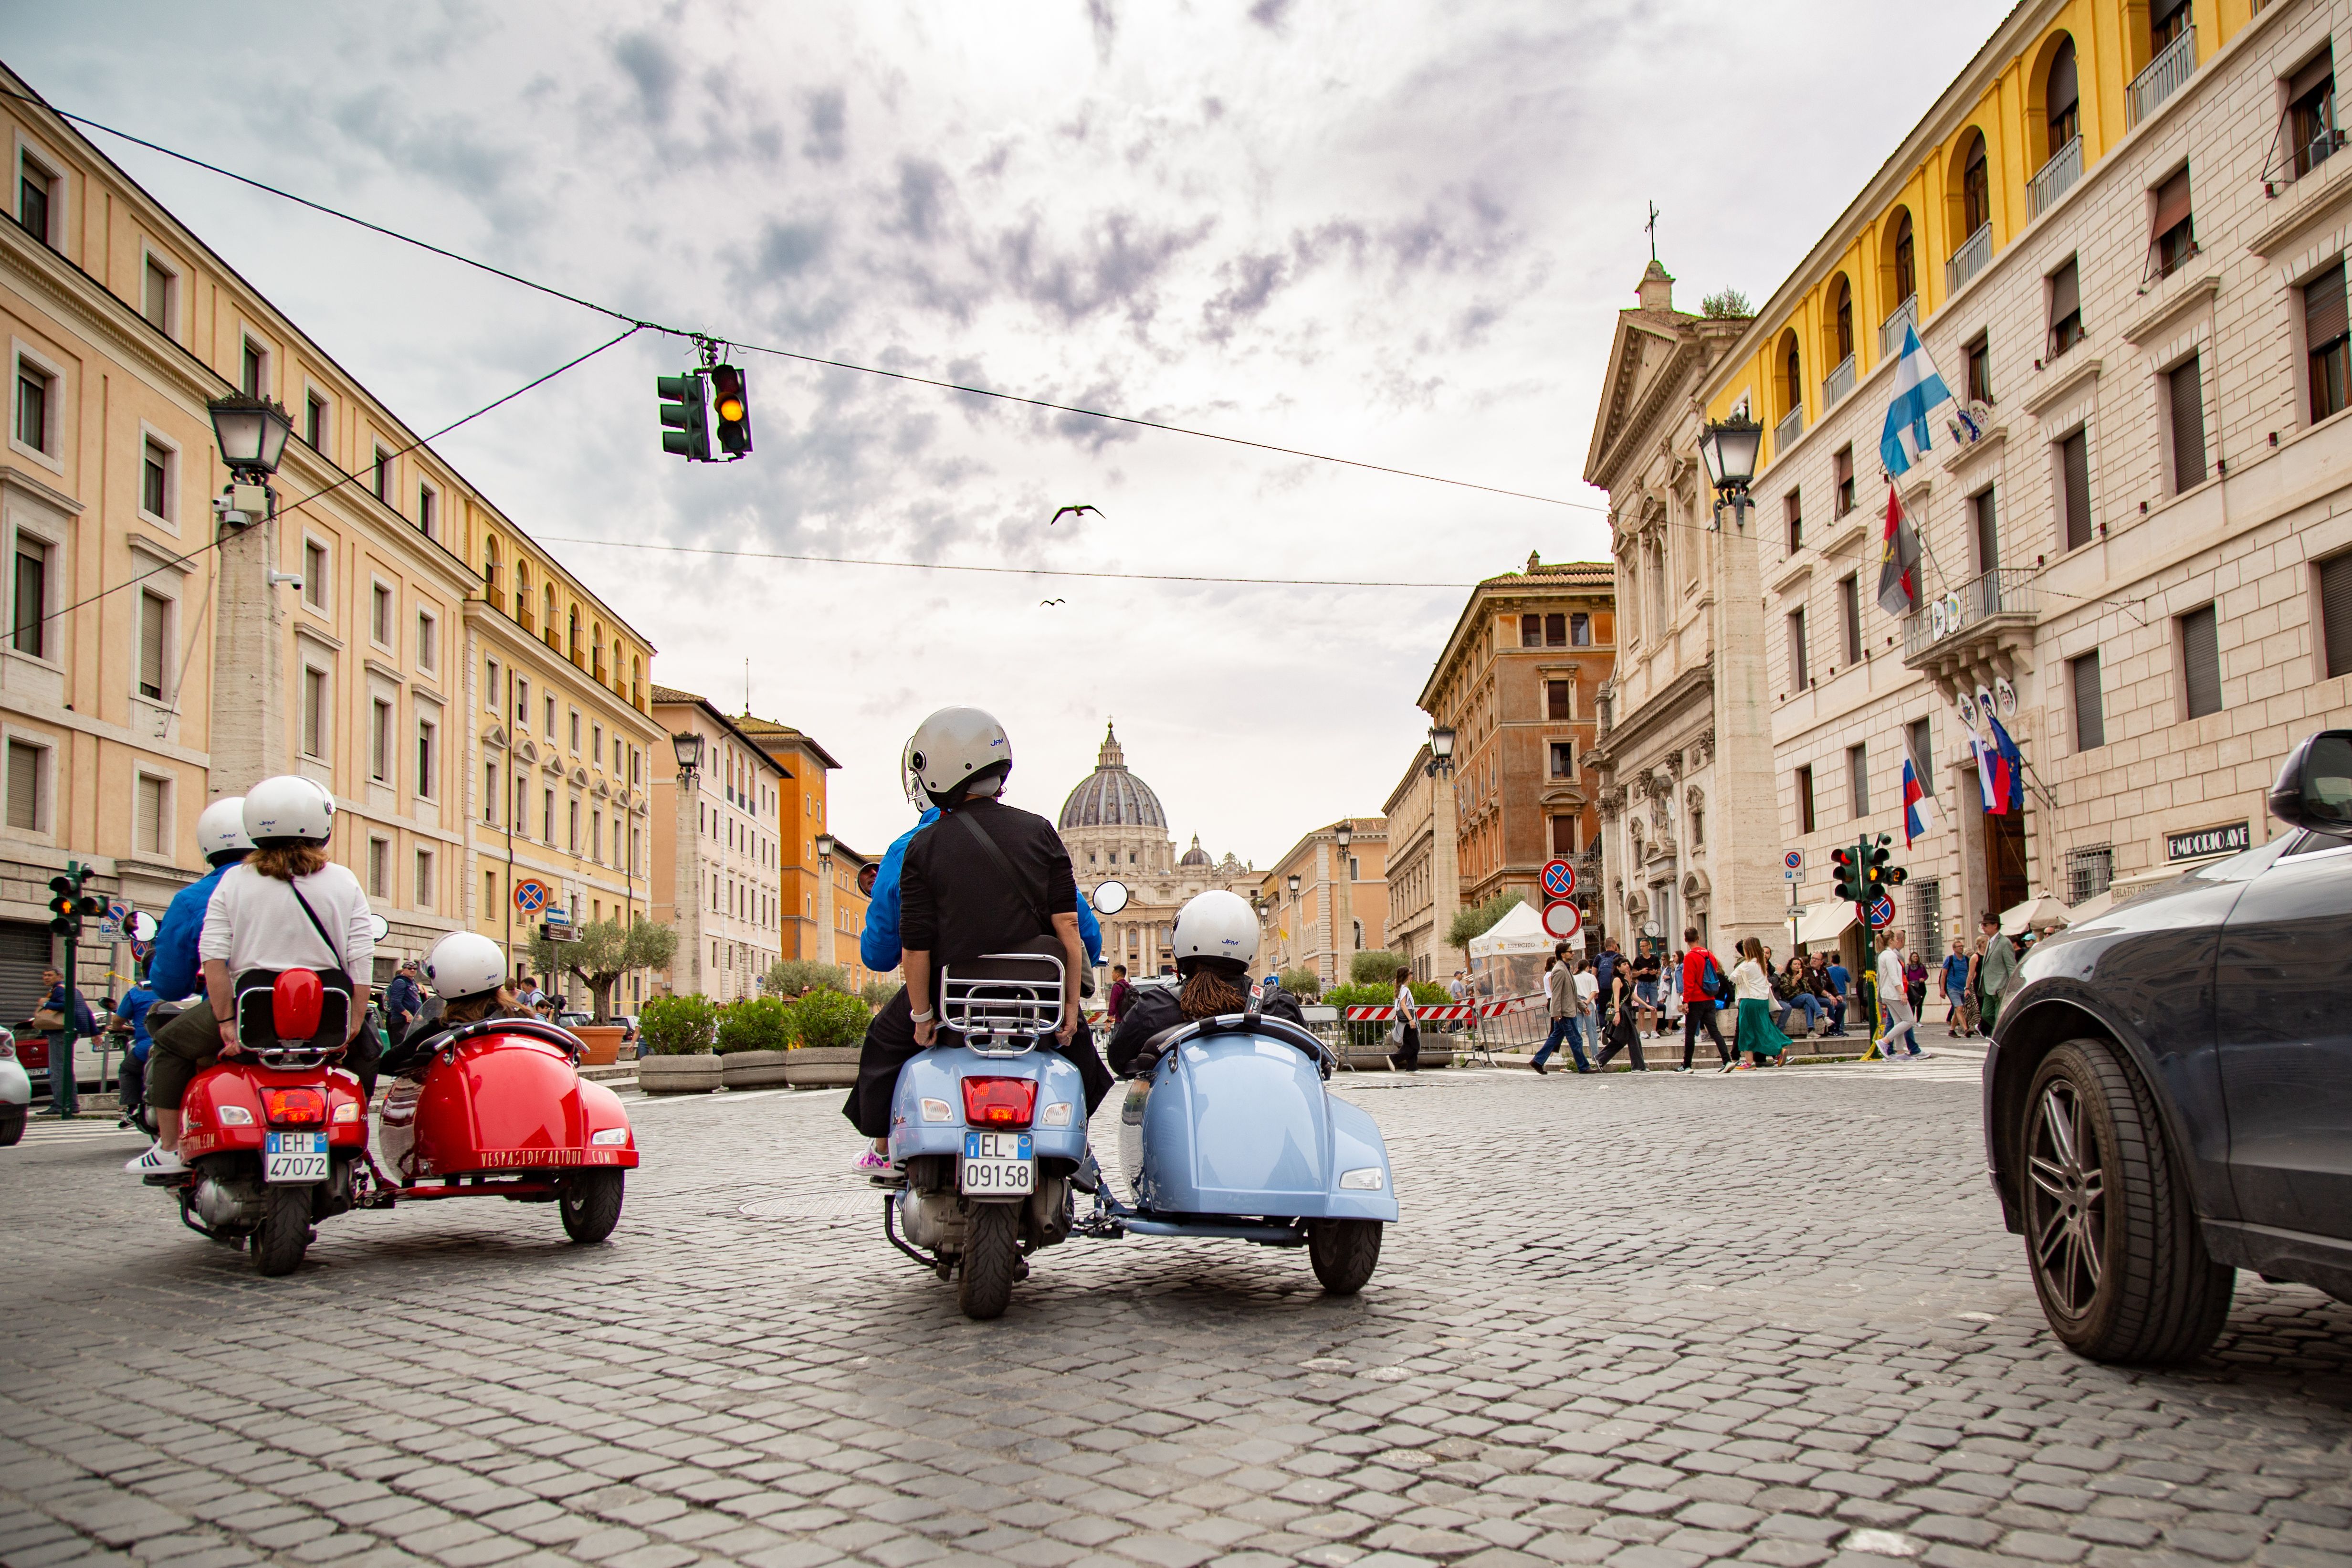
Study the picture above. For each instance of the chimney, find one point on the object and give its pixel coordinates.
(1656, 290)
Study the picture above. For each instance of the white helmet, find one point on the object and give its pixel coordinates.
(287, 809)
(220, 831)
(1217, 924)
(465, 964)
(952, 745)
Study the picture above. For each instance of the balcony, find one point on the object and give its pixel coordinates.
(1838, 383)
(1968, 259)
(1785, 433)
(2173, 65)
(1890, 331)
(1960, 636)
(2056, 178)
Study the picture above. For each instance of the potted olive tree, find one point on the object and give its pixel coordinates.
(675, 1037)
(828, 1027)
(752, 1037)
(603, 952)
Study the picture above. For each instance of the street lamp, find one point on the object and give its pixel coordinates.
(689, 747)
(1441, 749)
(825, 842)
(1294, 885)
(251, 433)
(1728, 448)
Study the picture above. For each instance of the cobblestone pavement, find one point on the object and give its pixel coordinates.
(1653, 1322)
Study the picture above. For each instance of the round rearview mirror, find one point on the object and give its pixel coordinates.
(141, 926)
(1109, 898)
(381, 926)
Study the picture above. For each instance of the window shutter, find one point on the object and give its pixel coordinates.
(2321, 68)
(2200, 658)
(2074, 466)
(2187, 427)
(2322, 309)
(151, 645)
(2065, 293)
(2172, 201)
(2335, 615)
(24, 785)
(2090, 710)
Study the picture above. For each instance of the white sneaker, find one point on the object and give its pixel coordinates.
(156, 1161)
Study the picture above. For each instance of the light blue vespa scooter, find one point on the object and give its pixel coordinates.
(1234, 1133)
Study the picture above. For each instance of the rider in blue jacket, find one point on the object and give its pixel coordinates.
(877, 944)
(174, 974)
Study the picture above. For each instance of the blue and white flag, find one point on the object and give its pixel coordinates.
(1920, 391)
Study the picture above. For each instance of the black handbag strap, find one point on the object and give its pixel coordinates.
(334, 948)
(1004, 863)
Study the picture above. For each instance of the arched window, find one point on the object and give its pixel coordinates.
(1842, 318)
(1901, 257)
(596, 650)
(522, 593)
(490, 567)
(2062, 97)
(1793, 376)
(1975, 185)
(547, 598)
(572, 642)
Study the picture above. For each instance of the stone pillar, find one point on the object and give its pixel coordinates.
(248, 741)
(1343, 916)
(1444, 872)
(1748, 898)
(685, 896)
(828, 949)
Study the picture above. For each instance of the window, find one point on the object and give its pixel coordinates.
(2065, 307)
(1842, 335)
(2324, 341)
(154, 658)
(596, 743)
(35, 188)
(379, 867)
(314, 574)
(150, 831)
(314, 712)
(522, 703)
(490, 686)
(383, 475)
(2186, 395)
(253, 370)
(490, 892)
(30, 632)
(1849, 615)
(1977, 361)
(1555, 631)
(425, 878)
(25, 786)
(2201, 662)
(2311, 113)
(2336, 616)
(314, 421)
(1795, 513)
(155, 479)
(1857, 774)
(2089, 872)
(425, 758)
(1559, 701)
(33, 389)
(1907, 265)
(2174, 236)
(1793, 376)
(428, 642)
(1987, 530)
(1800, 678)
(1532, 631)
(1805, 800)
(1563, 759)
(1843, 467)
(490, 794)
(1919, 743)
(155, 302)
(380, 741)
(427, 511)
(572, 839)
(2090, 709)
(551, 717)
(2075, 488)
(2063, 99)
(1579, 631)
(380, 615)
(1976, 187)
(596, 836)
(547, 817)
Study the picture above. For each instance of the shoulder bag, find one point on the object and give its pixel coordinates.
(1004, 863)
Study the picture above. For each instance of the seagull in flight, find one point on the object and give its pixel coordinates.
(1053, 600)
(1071, 512)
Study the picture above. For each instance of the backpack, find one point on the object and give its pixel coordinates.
(1710, 979)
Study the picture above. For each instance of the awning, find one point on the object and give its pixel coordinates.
(2092, 908)
(1823, 922)
(2043, 911)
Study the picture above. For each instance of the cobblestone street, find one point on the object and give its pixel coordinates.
(1655, 1321)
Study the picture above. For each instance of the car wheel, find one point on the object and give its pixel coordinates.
(2110, 1227)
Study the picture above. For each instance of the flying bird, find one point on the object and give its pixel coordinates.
(1071, 512)
(1053, 600)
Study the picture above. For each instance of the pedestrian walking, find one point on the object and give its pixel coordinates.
(64, 1019)
(1755, 1035)
(1459, 990)
(1955, 968)
(1645, 990)
(1902, 1023)
(1404, 1034)
(1914, 982)
(1115, 1002)
(1624, 1024)
(1560, 1007)
(1972, 1000)
(1995, 971)
(403, 999)
(1703, 989)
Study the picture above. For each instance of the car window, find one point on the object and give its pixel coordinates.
(2311, 842)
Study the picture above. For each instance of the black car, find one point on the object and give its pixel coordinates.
(2168, 1094)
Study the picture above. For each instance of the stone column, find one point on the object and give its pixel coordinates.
(829, 949)
(1748, 899)
(1343, 920)
(249, 698)
(1444, 872)
(686, 895)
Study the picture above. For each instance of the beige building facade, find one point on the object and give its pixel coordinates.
(1424, 887)
(718, 855)
(2143, 549)
(1340, 906)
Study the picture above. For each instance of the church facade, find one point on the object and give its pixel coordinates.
(1113, 826)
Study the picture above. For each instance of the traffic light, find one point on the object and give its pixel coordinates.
(68, 905)
(1874, 869)
(1847, 887)
(731, 406)
(685, 424)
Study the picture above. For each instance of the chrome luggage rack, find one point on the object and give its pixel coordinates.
(1002, 1004)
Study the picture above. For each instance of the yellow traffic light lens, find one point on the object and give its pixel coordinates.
(730, 409)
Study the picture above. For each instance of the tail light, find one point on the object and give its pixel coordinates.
(296, 1001)
(294, 1107)
(999, 1101)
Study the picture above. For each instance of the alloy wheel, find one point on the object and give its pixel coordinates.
(2066, 1201)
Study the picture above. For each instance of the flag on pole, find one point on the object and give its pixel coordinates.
(2001, 766)
(1986, 791)
(1918, 811)
(1920, 391)
(1898, 560)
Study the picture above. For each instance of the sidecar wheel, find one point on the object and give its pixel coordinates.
(285, 1231)
(12, 1124)
(590, 1203)
(1344, 1252)
(991, 1254)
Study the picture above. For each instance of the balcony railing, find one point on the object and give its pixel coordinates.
(1890, 331)
(1968, 259)
(2002, 591)
(2174, 64)
(2056, 178)
(1785, 433)
(1838, 383)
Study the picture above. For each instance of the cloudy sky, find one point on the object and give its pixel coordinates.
(1397, 232)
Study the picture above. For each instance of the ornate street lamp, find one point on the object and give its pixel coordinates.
(825, 842)
(1441, 750)
(1294, 883)
(689, 747)
(1729, 448)
(1343, 831)
(251, 433)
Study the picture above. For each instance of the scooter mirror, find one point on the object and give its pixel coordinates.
(141, 926)
(383, 926)
(1109, 898)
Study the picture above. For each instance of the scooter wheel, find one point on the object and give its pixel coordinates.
(590, 1203)
(12, 1124)
(285, 1232)
(991, 1251)
(1344, 1252)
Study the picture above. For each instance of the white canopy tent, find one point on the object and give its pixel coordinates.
(2043, 911)
(1518, 932)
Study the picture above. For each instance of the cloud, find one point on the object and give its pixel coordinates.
(648, 63)
(827, 111)
(1115, 265)
(1270, 14)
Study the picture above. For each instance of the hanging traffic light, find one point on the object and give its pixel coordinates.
(730, 407)
(686, 423)
(1846, 886)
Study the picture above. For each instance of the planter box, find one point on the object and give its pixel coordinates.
(752, 1070)
(603, 1042)
(680, 1075)
(821, 1067)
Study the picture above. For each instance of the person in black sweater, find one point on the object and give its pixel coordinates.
(1216, 939)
